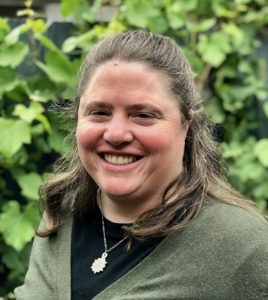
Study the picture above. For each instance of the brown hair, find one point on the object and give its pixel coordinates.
(202, 175)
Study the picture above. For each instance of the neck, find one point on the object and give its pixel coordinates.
(122, 210)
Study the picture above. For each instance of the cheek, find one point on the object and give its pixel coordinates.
(153, 141)
(165, 141)
(81, 137)
(86, 137)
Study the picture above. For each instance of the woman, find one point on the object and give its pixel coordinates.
(140, 210)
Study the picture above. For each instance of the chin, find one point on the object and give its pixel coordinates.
(113, 191)
(116, 193)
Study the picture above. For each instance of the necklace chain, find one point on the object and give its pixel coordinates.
(104, 237)
(99, 264)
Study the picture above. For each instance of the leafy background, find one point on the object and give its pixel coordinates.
(226, 43)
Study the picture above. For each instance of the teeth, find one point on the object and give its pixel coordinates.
(118, 159)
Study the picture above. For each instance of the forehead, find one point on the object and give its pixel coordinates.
(123, 75)
(128, 84)
(128, 72)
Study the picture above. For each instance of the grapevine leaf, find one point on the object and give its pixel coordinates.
(30, 183)
(261, 150)
(16, 229)
(13, 134)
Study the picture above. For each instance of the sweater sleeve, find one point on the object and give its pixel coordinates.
(48, 275)
(40, 280)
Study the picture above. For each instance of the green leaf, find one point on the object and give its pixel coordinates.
(158, 24)
(214, 48)
(4, 25)
(45, 41)
(139, 12)
(261, 204)
(67, 7)
(195, 60)
(13, 134)
(189, 5)
(181, 6)
(261, 150)
(175, 15)
(13, 55)
(56, 142)
(215, 111)
(91, 14)
(43, 119)
(16, 229)
(4, 28)
(81, 12)
(14, 35)
(235, 96)
(41, 89)
(37, 130)
(236, 34)
(265, 107)
(32, 213)
(29, 184)
(17, 262)
(223, 8)
(59, 68)
(77, 41)
(200, 26)
(30, 113)
(37, 26)
(8, 80)
(261, 191)
(25, 13)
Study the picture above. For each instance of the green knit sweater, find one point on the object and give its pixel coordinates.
(222, 254)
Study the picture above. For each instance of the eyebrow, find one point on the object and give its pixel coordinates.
(109, 106)
(97, 104)
(144, 107)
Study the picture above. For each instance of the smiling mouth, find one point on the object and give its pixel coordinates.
(119, 159)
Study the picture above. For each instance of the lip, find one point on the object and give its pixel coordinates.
(119, 167)
(119, 152)
(119, 159)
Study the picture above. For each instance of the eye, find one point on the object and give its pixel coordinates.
(99, 113)
(144, 118)
(144, 115)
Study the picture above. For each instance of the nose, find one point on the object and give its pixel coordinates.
(118, 132)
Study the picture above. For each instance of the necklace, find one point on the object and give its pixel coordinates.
(99, 264)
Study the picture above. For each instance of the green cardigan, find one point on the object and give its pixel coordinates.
(222, 254)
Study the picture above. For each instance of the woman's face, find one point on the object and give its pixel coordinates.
(130, 135)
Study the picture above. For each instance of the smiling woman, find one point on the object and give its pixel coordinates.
(122, 140)
(140, 210)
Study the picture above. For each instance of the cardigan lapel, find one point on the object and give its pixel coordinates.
(64, 261)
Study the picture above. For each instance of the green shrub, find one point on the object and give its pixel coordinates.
(224, 41)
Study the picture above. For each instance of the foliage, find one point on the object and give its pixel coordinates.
(223, 41)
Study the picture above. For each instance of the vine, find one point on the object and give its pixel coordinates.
(226, 44)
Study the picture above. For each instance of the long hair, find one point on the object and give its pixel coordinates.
(72, 189)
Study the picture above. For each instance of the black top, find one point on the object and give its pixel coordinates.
(87, 245)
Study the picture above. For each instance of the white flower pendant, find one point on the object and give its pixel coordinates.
(99, 264)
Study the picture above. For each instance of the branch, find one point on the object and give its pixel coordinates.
(203, 78)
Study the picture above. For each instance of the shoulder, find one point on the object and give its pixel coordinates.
(62, 234)
(232, 220)
(225, 229)
(229, 230)
(229, 244)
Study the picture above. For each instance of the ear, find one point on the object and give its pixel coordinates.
(187, 123)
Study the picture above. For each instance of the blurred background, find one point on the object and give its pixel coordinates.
(42, 44)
